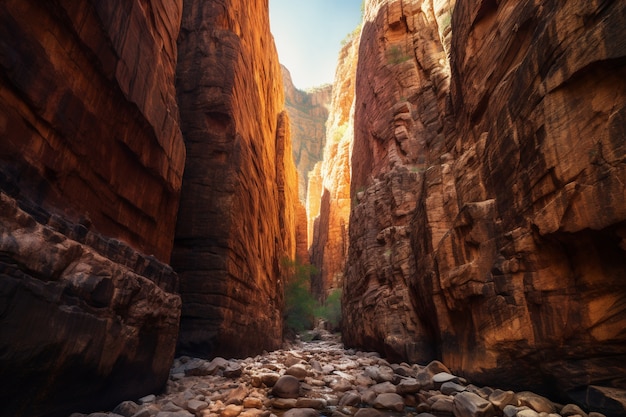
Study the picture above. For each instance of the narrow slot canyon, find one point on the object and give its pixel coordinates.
(174, 209)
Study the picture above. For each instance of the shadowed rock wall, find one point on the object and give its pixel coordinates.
(504, 125)
(236, 223)
(91, 163)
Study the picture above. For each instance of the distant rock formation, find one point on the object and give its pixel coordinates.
(330, 181)
(488, 170)
(308, 112)
(91, 164)
(236, 223)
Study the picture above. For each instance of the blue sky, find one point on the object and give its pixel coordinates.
(308, 35)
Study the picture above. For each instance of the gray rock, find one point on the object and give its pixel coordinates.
(368, 397)
(368, 412)
(148, 399)
(350, 399)
(127, 408)
(170, 406)
(408, 386)
(232, 370)
(181, 413)
(468, 404)
(436, 367)
(449, 388)
(443, 405)
(442, 377)
(383, 387)
(301, 412)
(143, 413)
(389, 401)
(287, 386)
(509, 411)
(196, 406)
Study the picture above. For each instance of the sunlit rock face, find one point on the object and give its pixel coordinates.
(91, 164)
(88, 114)
(308, 112)
(236, 222)
(331, 180)
(399, 108)
(495, 141)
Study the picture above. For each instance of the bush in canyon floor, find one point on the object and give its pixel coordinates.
(300, 305)
(330, 311)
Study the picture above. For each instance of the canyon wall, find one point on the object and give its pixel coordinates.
(308, 112)
(236, 223)
(488, 164)
(91, 164)
(330, 205)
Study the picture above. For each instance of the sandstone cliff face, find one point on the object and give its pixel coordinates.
(237, 214)
(514, 164)
(308, 112)
(88, 114)
(398, 110)
(329, 243)
(91, 162)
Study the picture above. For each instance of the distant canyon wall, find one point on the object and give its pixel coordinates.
(329, 199)
(91, 164)
(488, 168)
(237, 218)
(308, 112)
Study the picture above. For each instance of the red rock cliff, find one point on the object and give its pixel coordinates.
(329, 240)
(91, 163)
(308, 112)
(237, 214)
(510, 166)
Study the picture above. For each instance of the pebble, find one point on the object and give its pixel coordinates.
(320, 378)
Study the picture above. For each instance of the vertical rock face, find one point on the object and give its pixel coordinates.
(91, 163)
(329, 244)
(399, 107)
(507, 138)
(237, 214)
(88, 114)
(308, 112)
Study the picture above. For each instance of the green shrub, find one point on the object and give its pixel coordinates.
(300, 305)
(331, 310)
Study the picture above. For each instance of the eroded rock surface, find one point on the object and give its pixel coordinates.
(308, 112)
(88, 114)
(330, 207)
(236, 223)
(508, 119)
(91, 164)
(86, 320)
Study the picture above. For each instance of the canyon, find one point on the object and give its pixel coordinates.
(461, 183)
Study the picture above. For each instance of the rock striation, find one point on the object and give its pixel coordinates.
(330, 206)
(91, 164)
(308, 112)
(489, 150)
(88, 114)
(236, 223)
(86, 320)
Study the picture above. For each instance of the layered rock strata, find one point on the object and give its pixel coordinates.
(236, 223)
(80, 331)
(517, 154)
(308, 112)
(91, 163)
(88, 114)
(329, 243)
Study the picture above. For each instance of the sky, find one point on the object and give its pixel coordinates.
(308, 35)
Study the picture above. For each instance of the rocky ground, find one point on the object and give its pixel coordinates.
(321, 378)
